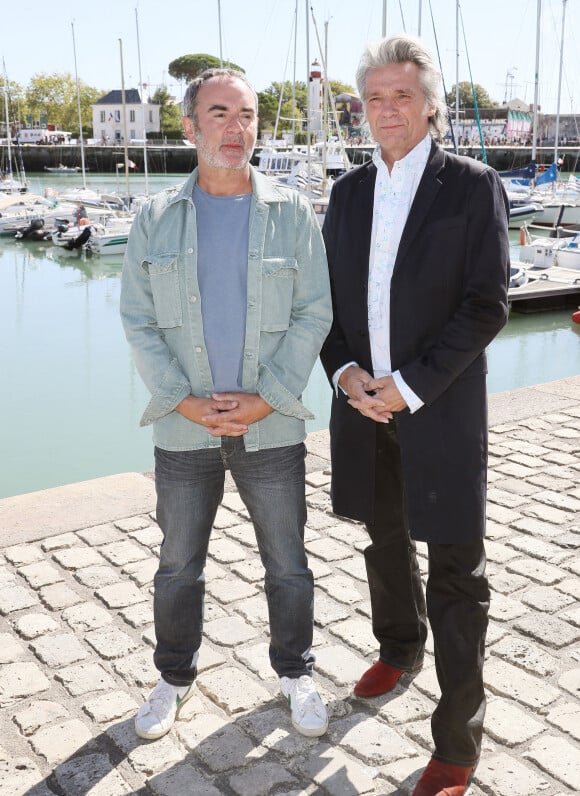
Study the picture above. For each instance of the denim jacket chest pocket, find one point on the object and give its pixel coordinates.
(278, 275)
(164, 279)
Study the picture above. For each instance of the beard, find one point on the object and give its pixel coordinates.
(214, 157)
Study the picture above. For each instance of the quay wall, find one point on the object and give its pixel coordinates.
(179, 158)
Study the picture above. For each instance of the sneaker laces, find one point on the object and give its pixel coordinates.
(161, 700)
(307, 698)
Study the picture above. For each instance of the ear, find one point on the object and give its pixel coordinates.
(188, 128)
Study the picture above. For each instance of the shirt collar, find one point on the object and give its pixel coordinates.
(415, 160)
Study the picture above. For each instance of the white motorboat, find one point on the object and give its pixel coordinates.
(20, 210)
(108, 236)
(546, 247)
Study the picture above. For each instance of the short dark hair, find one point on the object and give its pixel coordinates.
(399, 50)
(190, 99)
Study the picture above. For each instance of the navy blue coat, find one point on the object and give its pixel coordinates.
(448, 301)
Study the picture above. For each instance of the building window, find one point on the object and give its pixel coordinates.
(117, 116)
(131, 116)
(151, 116)
(103, 116)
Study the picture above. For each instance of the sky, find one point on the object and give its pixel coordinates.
(497, 41)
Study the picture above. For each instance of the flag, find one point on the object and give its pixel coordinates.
(130, 165)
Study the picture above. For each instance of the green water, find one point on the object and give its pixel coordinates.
(70, 398)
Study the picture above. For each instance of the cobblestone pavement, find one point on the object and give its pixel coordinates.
(76, 640)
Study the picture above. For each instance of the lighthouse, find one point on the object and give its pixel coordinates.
(315, 97)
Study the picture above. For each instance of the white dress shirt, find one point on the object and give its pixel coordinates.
(393, 197)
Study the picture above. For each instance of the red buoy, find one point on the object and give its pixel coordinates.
(576, 316)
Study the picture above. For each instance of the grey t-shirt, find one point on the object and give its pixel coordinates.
(222, 271)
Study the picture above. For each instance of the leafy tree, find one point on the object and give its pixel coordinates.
(189, 66)
(16, 105)
(466, 96)
(337, 87)
(169, 113)
(54, 97)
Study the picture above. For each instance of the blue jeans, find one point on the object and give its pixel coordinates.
(190, 486)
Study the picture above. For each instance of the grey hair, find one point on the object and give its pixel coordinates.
(403, 49)
(190, 99)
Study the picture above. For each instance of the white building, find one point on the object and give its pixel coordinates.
(109, 125)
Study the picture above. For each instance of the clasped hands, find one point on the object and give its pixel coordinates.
(225, 414)
(376, 399)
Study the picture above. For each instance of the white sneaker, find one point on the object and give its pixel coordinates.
(309, 715)
(157, 715)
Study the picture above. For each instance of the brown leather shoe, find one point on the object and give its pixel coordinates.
(443, 779)
(379, 679)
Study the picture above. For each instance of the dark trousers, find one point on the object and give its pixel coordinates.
(456, 604)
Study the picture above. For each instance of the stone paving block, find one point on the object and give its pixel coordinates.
(243, 533)
(142, 572)
(84, 678)
(511, 682)
(98, 576)
(514, 470)
(426, 683)
(355, 567)
(336, 773)
(505, 582)
(537, 528)
(328, 611)
(538, 571)
(214, 571)
(110, 706)
(60, 649)
(256, 658)
(572, 615)
(420, 731)
(125, 552)
(209, 658)
(232, 689)
(20, 776)
(548, 630)
(39, 713)
(505, 609)
(570, 586)
(573, 566)
(318, 568)
(99, 535)
(230, 590)
(541, 511)
(225, 749)
(184, 780)
(21, 679)
(86, 616)
(226, 552)
(33, 625)
(558, 499)
(40, 574)
(120, 595)
(405, 706)
(272, 729)
(14, 597)
(225, 518)
(138, 669)
(135, 523)
(60, 741)
(111, 642)
(10, 650)
(57, 542)
(138, 615)
(251, 571)
(505, 497)
(229, 631)
(262, 779)
(570, 681)
(498, 553)
(151, 536)
(192, 732)
(78, 557)
(21, 554)
(214, 611)
(504, 775)
(234, 503)
(557, 757)
(566, 716)
(538, 548)
(355, 633)
(92, 774)
(508, 725)
(546, 599)
(328, 550)
(340, 665)
(59, 596)
(370, 739)
(530, 657)
(167, 754)
(341, 588)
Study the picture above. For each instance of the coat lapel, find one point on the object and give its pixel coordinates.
(424, 198)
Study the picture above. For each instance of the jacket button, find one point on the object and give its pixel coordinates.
(190, 250)
(193, 298)
(198, 349)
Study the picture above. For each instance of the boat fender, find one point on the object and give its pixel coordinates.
(523, 236)
(576, 316)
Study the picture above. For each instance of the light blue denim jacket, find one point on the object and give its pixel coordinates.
(288, 312)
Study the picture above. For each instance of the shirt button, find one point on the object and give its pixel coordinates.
(190, 251)
(198, 349)
(193, 298)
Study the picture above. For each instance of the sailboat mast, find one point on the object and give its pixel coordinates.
(8, 130)
(536, 83)
(145, 165)
(83, 169)
(457, 69)
(123, 100)
(557, 133)
(384, 26)
(308, 154)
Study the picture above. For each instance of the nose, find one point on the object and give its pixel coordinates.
(235, 123)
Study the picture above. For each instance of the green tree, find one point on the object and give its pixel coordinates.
(337, 87)
(169, 113)
(186, 67)
(466, 96)
(17, 107)
(54, 98)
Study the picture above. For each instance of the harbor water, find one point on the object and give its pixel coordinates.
(71, 399)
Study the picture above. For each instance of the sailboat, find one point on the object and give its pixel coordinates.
(9, 184)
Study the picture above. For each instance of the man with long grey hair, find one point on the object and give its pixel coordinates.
(418, 253)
